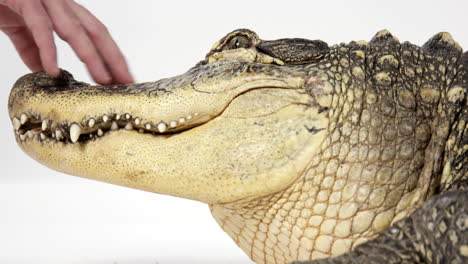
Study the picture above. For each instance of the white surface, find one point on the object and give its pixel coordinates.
(48, 217)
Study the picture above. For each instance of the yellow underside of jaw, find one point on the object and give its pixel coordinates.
(316, 217)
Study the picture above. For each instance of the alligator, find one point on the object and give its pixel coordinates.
(351, 153)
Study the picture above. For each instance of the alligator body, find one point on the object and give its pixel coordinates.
(302, 150)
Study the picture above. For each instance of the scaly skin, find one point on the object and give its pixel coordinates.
(302, 151)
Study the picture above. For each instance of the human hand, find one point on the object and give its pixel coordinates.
(30, 25)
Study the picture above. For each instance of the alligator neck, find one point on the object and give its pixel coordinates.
(366, 176)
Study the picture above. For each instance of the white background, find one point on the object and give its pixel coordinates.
(48, 217)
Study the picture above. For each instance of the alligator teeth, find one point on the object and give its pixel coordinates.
(162, 127)
(56, 130)
(91, 122)
(23, 119)
(58, 134)
(45, 124)
(75, 131)
(114, 126)
(16, 123)
(128, 126)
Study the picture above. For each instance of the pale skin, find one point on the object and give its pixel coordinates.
(30, 25)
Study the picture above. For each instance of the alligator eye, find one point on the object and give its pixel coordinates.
(239, 42)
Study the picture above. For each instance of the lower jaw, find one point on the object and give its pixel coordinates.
(195, 164)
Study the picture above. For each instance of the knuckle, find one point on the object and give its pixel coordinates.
(41, 25)
(86, 57)
(97, 30)
(64, 35)
(42, 33)
(71, 31)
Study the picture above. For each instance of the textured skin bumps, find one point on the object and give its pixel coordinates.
(443, 238)
(390, 118)
(311, 152)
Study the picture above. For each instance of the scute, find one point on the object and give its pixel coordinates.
(384, 37)
(442, 42)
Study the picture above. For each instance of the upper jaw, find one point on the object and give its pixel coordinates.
(65, 110)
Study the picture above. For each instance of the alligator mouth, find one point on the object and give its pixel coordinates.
(50, 131)
(181, 141)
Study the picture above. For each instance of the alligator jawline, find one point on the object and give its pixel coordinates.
(45, 130)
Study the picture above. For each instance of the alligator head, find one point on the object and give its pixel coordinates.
(300, 149)
(234, 126)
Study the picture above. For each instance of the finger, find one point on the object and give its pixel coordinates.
(105, 45)
(24, 43)
(13, 26)
(37, 20)
(69, 28)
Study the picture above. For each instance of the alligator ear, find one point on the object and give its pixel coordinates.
(443, 42)
(295, 51)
